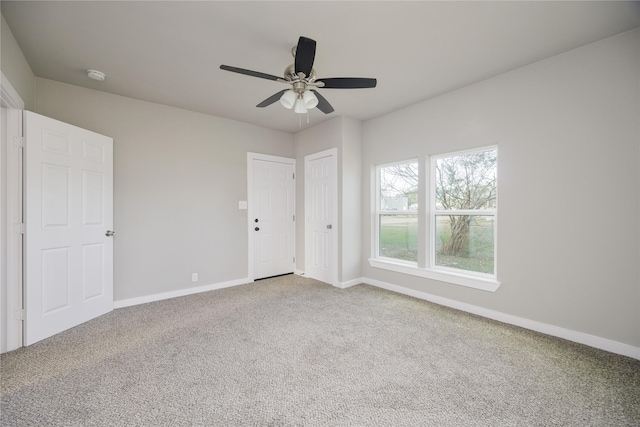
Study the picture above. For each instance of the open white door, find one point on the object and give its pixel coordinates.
(271, 215)
(321, 200)
(69, 218)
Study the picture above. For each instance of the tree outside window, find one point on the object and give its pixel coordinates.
(463, 213)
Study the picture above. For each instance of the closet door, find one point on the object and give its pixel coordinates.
(68, 226)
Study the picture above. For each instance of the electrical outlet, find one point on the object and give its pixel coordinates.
(194, 277)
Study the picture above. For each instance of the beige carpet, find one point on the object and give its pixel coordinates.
(292, 351)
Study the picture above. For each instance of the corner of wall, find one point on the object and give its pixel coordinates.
(15, 67)
(351, 211)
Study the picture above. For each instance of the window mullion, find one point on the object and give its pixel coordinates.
(423, 213)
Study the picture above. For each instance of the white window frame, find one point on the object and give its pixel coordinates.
(471, 212)
(426, 242)
(379, 212)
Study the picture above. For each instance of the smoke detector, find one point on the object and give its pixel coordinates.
(96, 75)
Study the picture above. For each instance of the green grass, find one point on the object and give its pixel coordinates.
(399, 240)
(480, 265)
(481, 249)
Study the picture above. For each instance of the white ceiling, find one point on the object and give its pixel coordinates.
(169, 52)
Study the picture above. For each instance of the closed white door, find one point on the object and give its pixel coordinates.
(272, 222)
(321, 217)
(69, 219)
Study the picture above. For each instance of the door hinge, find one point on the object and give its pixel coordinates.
(18, 228)
(294, 217)
(294, 175)
(18, 315)
(294, 259)
(18, 141)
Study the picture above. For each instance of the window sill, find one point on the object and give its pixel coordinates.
(490, 285)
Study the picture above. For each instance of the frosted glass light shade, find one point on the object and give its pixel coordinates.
(310, 99)
(288, 99)
(299, 106)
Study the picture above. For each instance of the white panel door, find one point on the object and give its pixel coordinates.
(68, 212)
(273, 218)
(320, 206)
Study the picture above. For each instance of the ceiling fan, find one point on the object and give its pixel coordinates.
(303, 95)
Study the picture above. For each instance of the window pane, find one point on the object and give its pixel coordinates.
(465, 242)
(399, 187)
(466, 181)
(399, 237)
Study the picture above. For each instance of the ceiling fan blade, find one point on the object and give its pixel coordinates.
(348, 83)
(270, 100)
(323, 104)
(305, 55)
(250, 73)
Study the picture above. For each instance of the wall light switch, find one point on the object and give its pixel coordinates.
(242, 204)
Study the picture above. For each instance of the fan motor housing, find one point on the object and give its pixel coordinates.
(290, 74)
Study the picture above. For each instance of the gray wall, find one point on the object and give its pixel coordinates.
(351, 210)
(15, 67)
(178, 177)
(568, 133)
(343, 133)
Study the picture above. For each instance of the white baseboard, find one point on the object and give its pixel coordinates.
(179, 293)
(349, 283)
(556, 331)
(341, 285)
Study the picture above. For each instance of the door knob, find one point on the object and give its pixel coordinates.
(257, 228)
(329, 226)
(109, 233)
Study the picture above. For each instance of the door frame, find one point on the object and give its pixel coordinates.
(11, 324)
(333, 153)
(251, 199)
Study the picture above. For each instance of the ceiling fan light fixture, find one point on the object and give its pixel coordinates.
(310, 99)
(299, 106)
(303, 81)
(288, 99)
